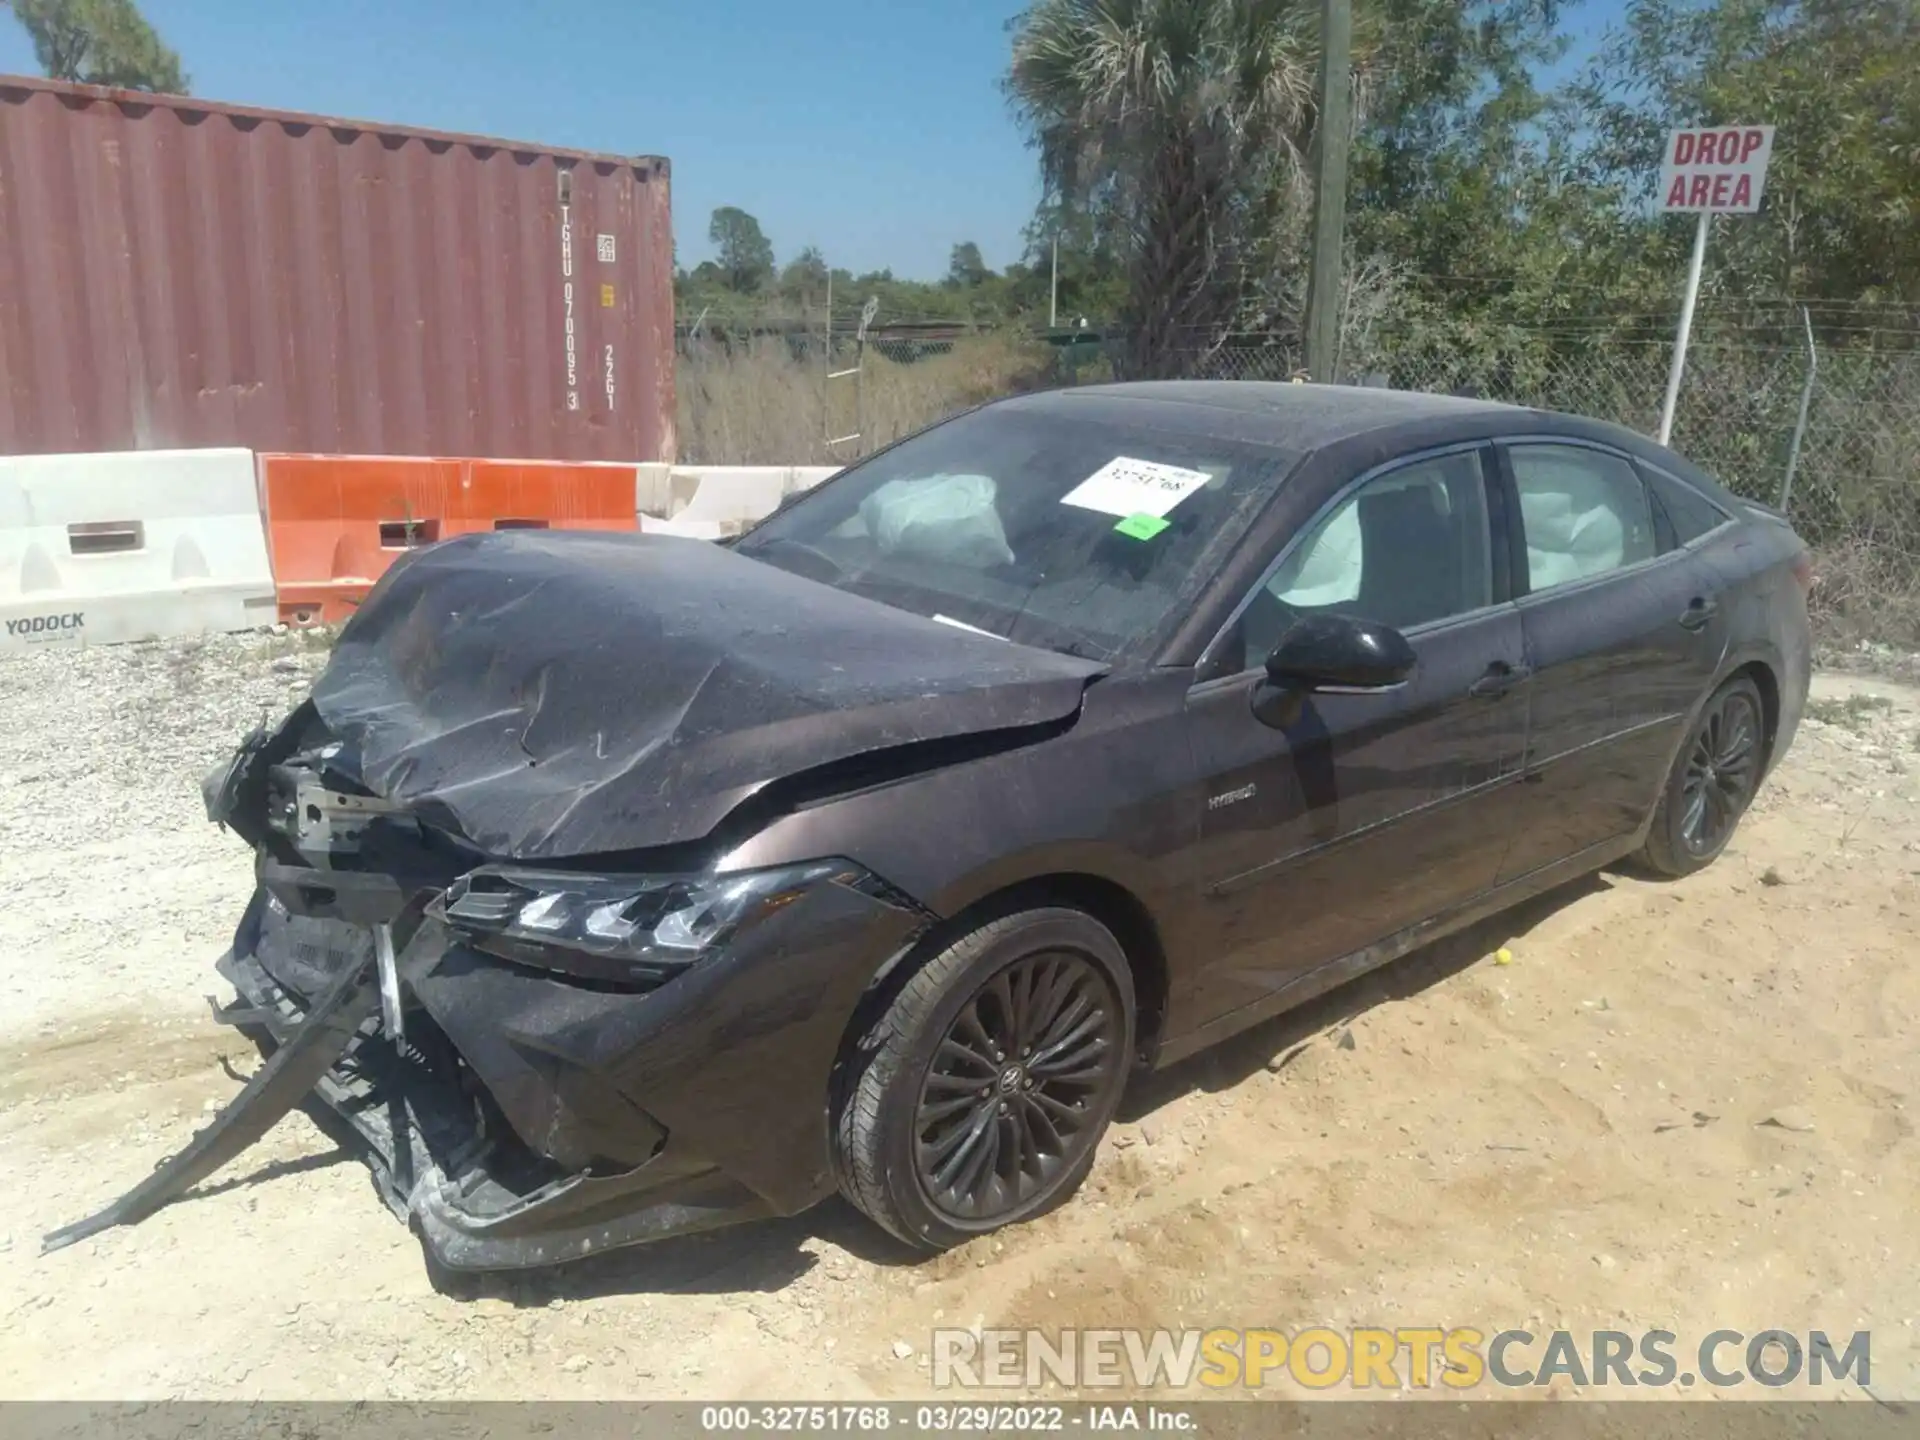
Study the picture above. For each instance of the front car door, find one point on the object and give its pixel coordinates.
(1371, 812)
(1624, 634)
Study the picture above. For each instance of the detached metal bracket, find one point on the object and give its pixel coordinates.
(389, 976)
(241, 1013)
(307, 1053)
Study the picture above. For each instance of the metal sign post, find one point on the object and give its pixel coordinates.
(1708, 171)
(1679, 366)
(1806, 401)
(855, 372)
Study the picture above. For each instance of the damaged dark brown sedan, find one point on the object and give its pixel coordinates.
(615, 887)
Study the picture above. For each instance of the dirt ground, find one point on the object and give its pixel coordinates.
(1685, 1106)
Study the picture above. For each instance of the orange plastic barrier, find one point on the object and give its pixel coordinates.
(335, 522)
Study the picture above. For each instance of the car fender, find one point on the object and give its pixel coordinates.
(1113, 864)
(1735, 659)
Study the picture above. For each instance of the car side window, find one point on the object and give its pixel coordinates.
(1407, 548)
(1689, 514)
(1583, 513)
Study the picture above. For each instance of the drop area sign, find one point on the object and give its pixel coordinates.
(1715, 169)
(1709, 170)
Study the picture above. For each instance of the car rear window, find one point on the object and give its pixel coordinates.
(1689, 514)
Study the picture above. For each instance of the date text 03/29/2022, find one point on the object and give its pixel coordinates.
(963, 1419)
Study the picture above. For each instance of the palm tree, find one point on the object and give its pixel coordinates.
(1188, 120)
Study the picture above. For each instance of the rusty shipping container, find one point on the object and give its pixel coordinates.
(180, 273)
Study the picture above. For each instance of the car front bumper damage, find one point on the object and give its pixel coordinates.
(515, 1117)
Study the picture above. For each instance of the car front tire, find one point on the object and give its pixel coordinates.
(980, 1097)
(1713, 780)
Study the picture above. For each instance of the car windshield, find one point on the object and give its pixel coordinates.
(1079, 535)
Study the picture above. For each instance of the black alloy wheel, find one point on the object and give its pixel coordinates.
(1722, 767)
(1713, 781)
(1009, 1102)
(977, 1095)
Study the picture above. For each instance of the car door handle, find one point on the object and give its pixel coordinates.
(1698, 613)
(1499, 679)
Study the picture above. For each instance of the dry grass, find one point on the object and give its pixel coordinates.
(760, 405)
(1851, 712)
(1867, 589)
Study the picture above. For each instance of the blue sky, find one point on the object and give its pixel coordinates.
(874, 129)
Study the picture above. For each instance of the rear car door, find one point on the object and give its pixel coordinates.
(1372, 811)
(1624, 634)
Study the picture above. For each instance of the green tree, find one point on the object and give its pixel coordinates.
(1187, 121)
(1470, 186)
(1467, 183)
(1092, 280)
(805, 278)
(745, 253)
(1452, 132)
(99, 42)
(965, 269)
(1841, 81)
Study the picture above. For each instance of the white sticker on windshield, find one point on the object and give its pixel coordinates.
(1125, 486)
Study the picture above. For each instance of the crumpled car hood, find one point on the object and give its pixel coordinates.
(548, 694)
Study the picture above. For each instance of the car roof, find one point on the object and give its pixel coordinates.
(1296, 417)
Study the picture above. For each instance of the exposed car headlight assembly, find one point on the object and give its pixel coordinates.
(624, 929)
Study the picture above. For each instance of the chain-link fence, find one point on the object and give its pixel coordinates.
(1739, 408)
(1855, 469)
(1856, 493)
(1856, 472)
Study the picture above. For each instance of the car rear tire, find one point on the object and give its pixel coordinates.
(1713, 781)
(979, 1098)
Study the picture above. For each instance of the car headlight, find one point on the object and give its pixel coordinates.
(634, 929)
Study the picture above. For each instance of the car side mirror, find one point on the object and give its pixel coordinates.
(1340, 653)
(1330, 654)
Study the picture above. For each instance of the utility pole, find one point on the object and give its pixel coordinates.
(1332, 139)
(1053, 287)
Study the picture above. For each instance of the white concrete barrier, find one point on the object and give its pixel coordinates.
(687, 529)
(730, 496)
(96, 549)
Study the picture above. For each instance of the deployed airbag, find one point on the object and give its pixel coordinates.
(948, 518)
(1566, 542)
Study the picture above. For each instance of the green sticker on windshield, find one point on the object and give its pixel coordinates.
(1141, 527)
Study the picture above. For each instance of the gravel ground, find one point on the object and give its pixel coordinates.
(1683, 1106)
(102, 752)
